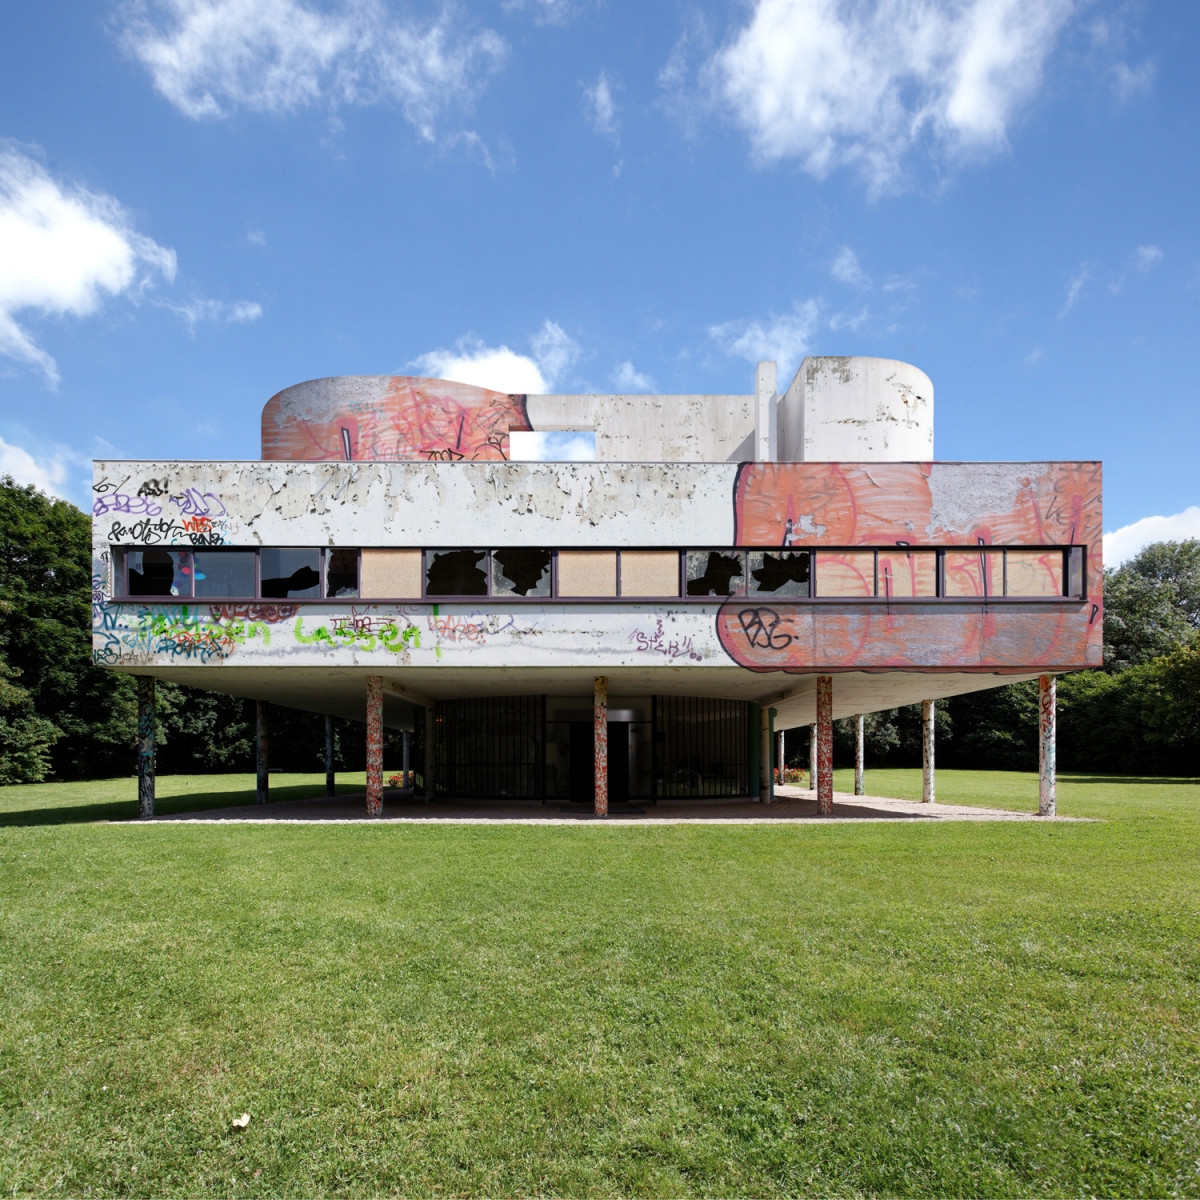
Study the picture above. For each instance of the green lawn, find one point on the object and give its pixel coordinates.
(974, 1009)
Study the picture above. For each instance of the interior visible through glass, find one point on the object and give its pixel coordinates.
(779, 572)
(455, 573)
(716, 573)
(159, 572)
(290, 574)
(521, 572)
(224, 574)
(341, 573)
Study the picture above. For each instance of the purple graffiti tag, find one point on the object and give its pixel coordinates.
(119, 502)
(194, 503)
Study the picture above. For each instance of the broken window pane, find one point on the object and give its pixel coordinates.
(455, 573)
(521, 572)
(160, 572)
(779, 572)
(294, 574)
(341, 573)
(716, 573)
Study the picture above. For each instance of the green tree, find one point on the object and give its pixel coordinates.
(25, 738)
(1151, 604)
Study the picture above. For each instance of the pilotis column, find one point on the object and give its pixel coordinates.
(405, 780)
(782, 755)
(928, 783)
(374, 745)
(260, 724)
(825, 745)
(812, 757)
(860, 786)
(764, 755)
(330, 789)
(145, 758)
(1047, 721)
(600, 741)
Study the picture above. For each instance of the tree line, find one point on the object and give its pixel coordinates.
(61, 717)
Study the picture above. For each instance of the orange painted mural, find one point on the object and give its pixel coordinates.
(977, 508)
(389, 418)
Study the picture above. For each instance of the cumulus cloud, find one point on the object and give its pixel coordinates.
(62, 248)
(846, 269)
(600, 107)
(627, 378)
(785, 338)
(1125, 542)
(502, 369)
(552, 445)
(47, 474)
(1144, 257)
(211, 57)
(545, 12)
(1132, 81)
(1075, 289)
(831, 82)
(195, 311)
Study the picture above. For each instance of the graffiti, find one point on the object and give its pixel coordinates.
(197, 524)
(270, 614)
(475, 627)
(121, 503)
(194, 503)
(389, 635)
(390, 418)
(106, 485)
(928, 505)
(759, 626)
(146, 533)
(659, 642)
(154, 487)
(186, 633)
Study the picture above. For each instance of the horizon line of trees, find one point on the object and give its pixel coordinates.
(61, 717)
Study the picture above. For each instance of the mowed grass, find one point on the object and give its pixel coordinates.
(931, 1009)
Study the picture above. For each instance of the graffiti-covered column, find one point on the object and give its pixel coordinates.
(928, 781)
(600, 741)
(260, 741)
(812, 757)
(1047, 714)
(860, 786)
(145, 760)
(374, 745)
(330, 782)
(825, 745)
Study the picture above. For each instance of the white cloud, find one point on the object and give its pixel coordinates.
(1125, 542)
(47, 474)
(61, 249)
(552, 445)
(626, 378)
(502, 369)
(1132, 81)
(1144, 257)
(848, 320)
(210, 57)
(600, 107)
(783, 339)
(545, 12)
(1035, 356)
(195, 311)
(830, 82)
(846, 269)
(1075, 288)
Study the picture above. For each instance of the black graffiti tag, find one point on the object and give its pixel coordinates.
(759, 625)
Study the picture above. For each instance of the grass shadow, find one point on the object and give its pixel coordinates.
(164, 806)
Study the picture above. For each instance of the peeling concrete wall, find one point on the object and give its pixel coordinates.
(857, 409)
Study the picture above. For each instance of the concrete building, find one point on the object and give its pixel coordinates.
(635, 627)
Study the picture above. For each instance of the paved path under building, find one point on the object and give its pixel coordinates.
(792, 805)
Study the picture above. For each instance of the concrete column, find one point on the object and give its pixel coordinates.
(429, 759)
(1047, 721)
(860, 787)
(928, 784)
(825, 745)
(405, 780)
(330, 789)
(782, 754)
(812, 757)
(764, 755)
(374, 746)
(264, 778)
(145, 756)
(600, 741)
(765, 413)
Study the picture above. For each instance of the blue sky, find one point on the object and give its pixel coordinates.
(203, 201)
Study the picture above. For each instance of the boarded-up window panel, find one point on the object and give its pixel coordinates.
(587, 572)
(391, 574)
(976, 573)
(849, 573)
(649, 573)
(1035, 572)
(903, 575)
